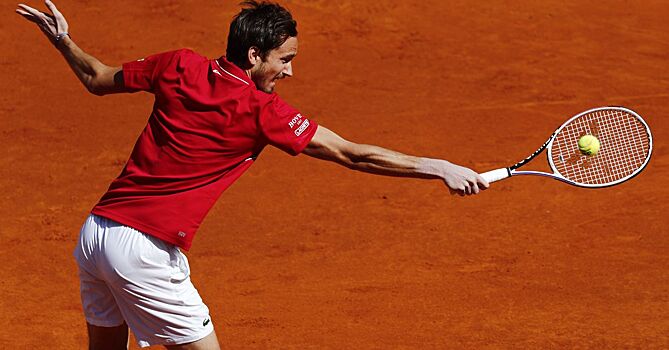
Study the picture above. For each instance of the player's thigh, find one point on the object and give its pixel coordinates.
(150, 282)
(107, 338)
(209, 342)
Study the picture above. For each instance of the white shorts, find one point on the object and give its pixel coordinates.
(130, 276)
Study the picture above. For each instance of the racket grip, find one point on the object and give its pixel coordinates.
(496, 175)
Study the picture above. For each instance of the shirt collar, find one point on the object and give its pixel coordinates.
(225, 68)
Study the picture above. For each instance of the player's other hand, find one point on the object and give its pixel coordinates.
(461, 180)
(50, 24)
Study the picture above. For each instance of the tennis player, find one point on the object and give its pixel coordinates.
(210, 121)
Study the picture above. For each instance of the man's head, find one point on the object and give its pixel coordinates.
(263, 41)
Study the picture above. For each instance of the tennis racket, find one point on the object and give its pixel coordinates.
(625, 148)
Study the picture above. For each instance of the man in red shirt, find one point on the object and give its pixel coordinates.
(210, 121)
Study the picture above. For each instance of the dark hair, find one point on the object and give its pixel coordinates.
(264, 25)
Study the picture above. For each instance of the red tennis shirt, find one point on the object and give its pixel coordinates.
(208, 125)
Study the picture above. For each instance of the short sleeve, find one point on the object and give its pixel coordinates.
(284, 126)
(141, 75)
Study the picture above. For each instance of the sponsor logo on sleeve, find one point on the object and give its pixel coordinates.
(301, 123)
(302, 127)
(297, 120)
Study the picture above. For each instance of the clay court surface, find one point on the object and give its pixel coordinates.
(303, 254)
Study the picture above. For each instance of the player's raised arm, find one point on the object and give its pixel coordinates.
(98, 78)
(373, 159)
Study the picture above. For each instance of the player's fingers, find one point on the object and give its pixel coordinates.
(29, 17)
(38, 17)
(452, 187)
(23, 13)
(50, 5)
(475, 188)
(30, 10)
(482, 182)
(53, 9)
(456, 189)
(469, 185)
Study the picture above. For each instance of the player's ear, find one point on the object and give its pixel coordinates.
(253, 56)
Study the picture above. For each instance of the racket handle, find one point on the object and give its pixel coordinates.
(496, 175)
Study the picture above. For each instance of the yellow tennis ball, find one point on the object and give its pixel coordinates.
(588, 145)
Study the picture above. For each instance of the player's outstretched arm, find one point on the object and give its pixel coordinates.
(98, 78)
(373, 159)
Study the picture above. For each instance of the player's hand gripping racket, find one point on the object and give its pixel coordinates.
(625, 146)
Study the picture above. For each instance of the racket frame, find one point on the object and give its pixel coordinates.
(502, 173)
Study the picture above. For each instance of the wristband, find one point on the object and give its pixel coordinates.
(60, 36)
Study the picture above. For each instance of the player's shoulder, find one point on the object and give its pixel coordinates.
(273, 104)
(263, 99)
(188, 55)
(188, 64)
(180, 57)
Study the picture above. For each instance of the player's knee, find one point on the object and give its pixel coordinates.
(108, 338)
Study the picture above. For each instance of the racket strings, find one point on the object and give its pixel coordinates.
(625, 147)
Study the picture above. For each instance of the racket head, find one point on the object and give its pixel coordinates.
(626, 147)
